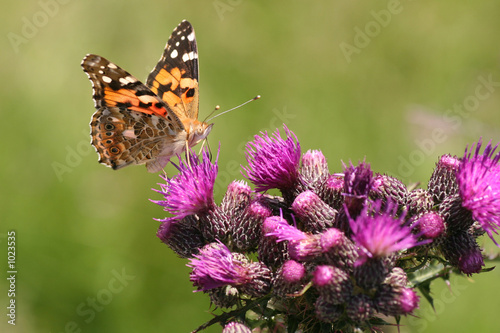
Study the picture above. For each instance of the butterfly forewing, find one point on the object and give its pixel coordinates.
(175, 77)
(114, 86)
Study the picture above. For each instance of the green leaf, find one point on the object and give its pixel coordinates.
(425, 290)
(432, 271)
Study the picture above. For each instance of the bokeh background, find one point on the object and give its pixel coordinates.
(396, 82)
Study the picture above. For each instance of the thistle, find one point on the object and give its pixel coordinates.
(336, 251)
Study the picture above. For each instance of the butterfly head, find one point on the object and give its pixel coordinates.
(197, 131)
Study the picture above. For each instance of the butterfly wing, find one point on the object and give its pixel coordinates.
(175, 77)
(131, 125)
(123, 137)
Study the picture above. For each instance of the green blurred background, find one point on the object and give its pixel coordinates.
(372, 79)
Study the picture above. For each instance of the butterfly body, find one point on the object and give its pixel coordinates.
(137, 123)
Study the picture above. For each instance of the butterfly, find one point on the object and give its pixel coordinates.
(150, 123)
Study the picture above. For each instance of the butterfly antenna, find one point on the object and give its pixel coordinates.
(217, 107)
(220, 114)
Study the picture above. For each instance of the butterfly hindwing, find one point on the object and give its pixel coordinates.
(175, 77)
(123, 137)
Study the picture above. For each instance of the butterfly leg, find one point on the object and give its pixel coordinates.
(187, 154)
(208, 147)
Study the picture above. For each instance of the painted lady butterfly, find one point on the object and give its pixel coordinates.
(138, 123)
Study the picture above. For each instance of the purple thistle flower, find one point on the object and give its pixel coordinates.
(182, 236)
(380, 232)
(293, 271)
(314, 213)
(395, 301)
(215, 266)
(397, 278)
(301, 246)
(246, 230)
(313, 171)
(358, 181)
(332, 283)
(408, 300)
(360, 308)
(478, 179)
(419, 200)
(456, 217)
(430, 224)
(271, 252)
(338, 250)
(332, 189)
(279, 228)
(289, 278)
(387, 188)
(462, 251)
(236, 199)
(471, 261)
(273, 162)
(369, 272)
(307, 249)
(314, 165)
(443, 181)
(191, 191)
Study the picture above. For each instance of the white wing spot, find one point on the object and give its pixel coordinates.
(174, 53)
(101, 72)
(189, 56)
(106, 79)
(129, 134)
(183, 37)
(113, 66)
(127, 80)
(191, 36)
(177, 44)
